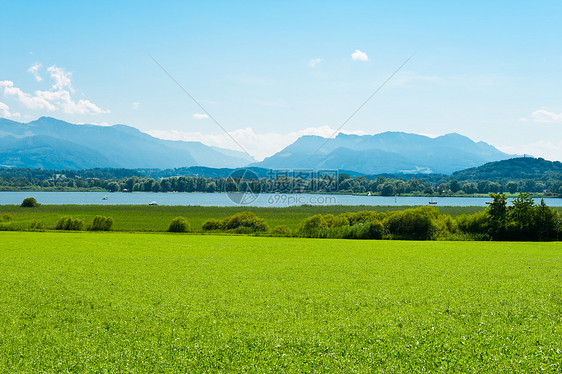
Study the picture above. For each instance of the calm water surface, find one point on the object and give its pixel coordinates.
(222, 199)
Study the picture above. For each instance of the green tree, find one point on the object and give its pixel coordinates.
(470, 188)
(388, 189)
(547, 223)
(483, 186)
(165, 185)
(178, 224)
(211, 187)
(112, 187)
(511, 187)
(454, 186)
(521, 218)
(497, 212)
(29, 202)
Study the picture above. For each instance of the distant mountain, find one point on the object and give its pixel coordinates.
(388, 152)
(512, 170)
(49, 143)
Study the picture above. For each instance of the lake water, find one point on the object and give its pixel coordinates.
(223, 199)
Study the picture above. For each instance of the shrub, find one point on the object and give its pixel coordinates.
(368, 230)
(245, 219)
(179, 224)
(311, 224)
(5, 226)
(101, 223)
(244, 230)
(69, 223)
(417, 223)
(36, 225)
(364, 216)
(212, 224)
(341, 232)
(29, 202)
(329, 220)
(361, 225)
(281, 230)
(476, 223)
(244, 223)
(446, 226)
(5, 217)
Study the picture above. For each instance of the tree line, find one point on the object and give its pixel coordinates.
(341, 183)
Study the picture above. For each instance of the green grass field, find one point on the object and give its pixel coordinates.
(157, 218)
(152, 302)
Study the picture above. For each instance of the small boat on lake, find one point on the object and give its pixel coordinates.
(105, 198)
(432, 201)
(153, 203)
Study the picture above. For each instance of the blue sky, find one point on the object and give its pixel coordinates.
(272, 71)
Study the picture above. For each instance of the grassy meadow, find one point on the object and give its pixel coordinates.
(157, 218)
(158, 302)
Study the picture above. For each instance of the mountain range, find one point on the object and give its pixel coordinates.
(387, 152)
(49, 143)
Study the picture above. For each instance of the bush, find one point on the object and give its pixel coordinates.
(5, 226)
(361, 225)
(281, 230)
(69, 223)
(477, 223)
(364, 216)
(243, 223)
(417, 223)
(311, 224)
(245, 219)
(5, 217)
(368, 230)
(101, 223)
(179, 224)
(29, 202)
(212, 224)
(36, 225)
(446, 226)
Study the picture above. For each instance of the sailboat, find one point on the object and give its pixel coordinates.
(105, 197)
(369, 194)
(432, 201)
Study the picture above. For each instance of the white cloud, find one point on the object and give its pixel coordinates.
(545, 116)
(28, 100)
(34, 70)
(199, 116)
(259, 145)
(95, 123)
(61, 78)
(359, 56)
(58, 98)
(136, 105)
(5, 111)
(315, 61)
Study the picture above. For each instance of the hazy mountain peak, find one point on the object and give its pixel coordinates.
(47, 138)
(389, 151)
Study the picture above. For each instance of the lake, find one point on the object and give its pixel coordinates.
(224, 199)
